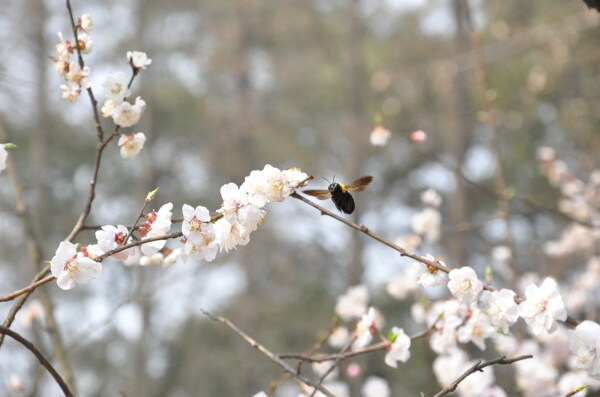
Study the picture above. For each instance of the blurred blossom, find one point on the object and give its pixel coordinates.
(32, 312)
(370, 323)
(324, 367)
(535, 377)
(353, 370)
(380, 136)
(353, 304)
(431, 198)
(418, 136)
(375, 386)
(542, 306)
(476, 329)
(427, 224)
(409, 242)
(85, 23)
(403, 284)
(3, 156)
(150, 260)
(339, 337)
(585, 346)
(15, 383)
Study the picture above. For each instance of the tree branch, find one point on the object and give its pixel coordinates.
(30, 346)
(286, 367)
(478, 366)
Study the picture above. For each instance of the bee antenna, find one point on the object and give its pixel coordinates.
(326, 180)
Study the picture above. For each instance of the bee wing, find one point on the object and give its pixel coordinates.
(359, 184)
(320, 194)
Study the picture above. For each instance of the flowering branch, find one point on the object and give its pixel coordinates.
(479, 366)
(403, 252)
(286, 367)
(45, 363)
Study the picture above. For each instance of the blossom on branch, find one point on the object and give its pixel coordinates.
(85, 23)
(138, 59)
(131, 144)
(157, 224)
(501, 309)
(115, 87)
(353, 304)
(399, 349)
(430, 276)
(200, 236)
(70, 266)
(127, 114)
(543, 306)
(464, 284)
(111, 237)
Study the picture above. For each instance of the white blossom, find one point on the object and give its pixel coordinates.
(431, 198)
(464, 284)
(584, 342)
(543, 306)
(376, 387)
(84, 42)
(138, 59)
(3, 156)
(427, 224)
(476, 329)
(70, 266)
(340, 336)
(71, 91)
(399, 349)
(110, 237)
(86, 22)
(157, 224)
(131, 144)
(380, 136)
(369, 324)
(430, 276)
(126, 114)
(78, 76)
(501, 309)
(115, 87)
(353, 304)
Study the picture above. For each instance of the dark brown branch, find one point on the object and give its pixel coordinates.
(45, 363)
(478, 366)
(286, 367)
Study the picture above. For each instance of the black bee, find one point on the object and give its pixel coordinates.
(340, 193)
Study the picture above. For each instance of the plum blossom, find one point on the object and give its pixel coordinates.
(157, 224)
(70, 92)
(403, 284)
(115, 87)
(501, 309)
(380, 136)
(3, 156)
(78, 76)
(85, 22)
(199, 232)
(271, 184)
(131, 144)
(84, 42)
(431, 198)
(376, 387)
(427, 224)
(430, 276)
(368, 325)
(339, 337)
(138, 59)
(476, 329)
(535, 375)
(70, 266)
(353, 304)
(584, 342)
(399, 349)
(126, 114)
(464, 284)
(111, 237)
(542, 306)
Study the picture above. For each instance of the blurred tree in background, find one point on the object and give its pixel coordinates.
(235, 85)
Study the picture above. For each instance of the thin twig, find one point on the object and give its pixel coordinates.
(286, 367)
(478, 366)
(45, 363)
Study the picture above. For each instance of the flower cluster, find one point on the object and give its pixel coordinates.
(240, 214)
(76, 77)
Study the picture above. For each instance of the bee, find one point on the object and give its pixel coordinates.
(340, 193)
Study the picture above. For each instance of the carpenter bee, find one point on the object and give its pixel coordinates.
(340, 193)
